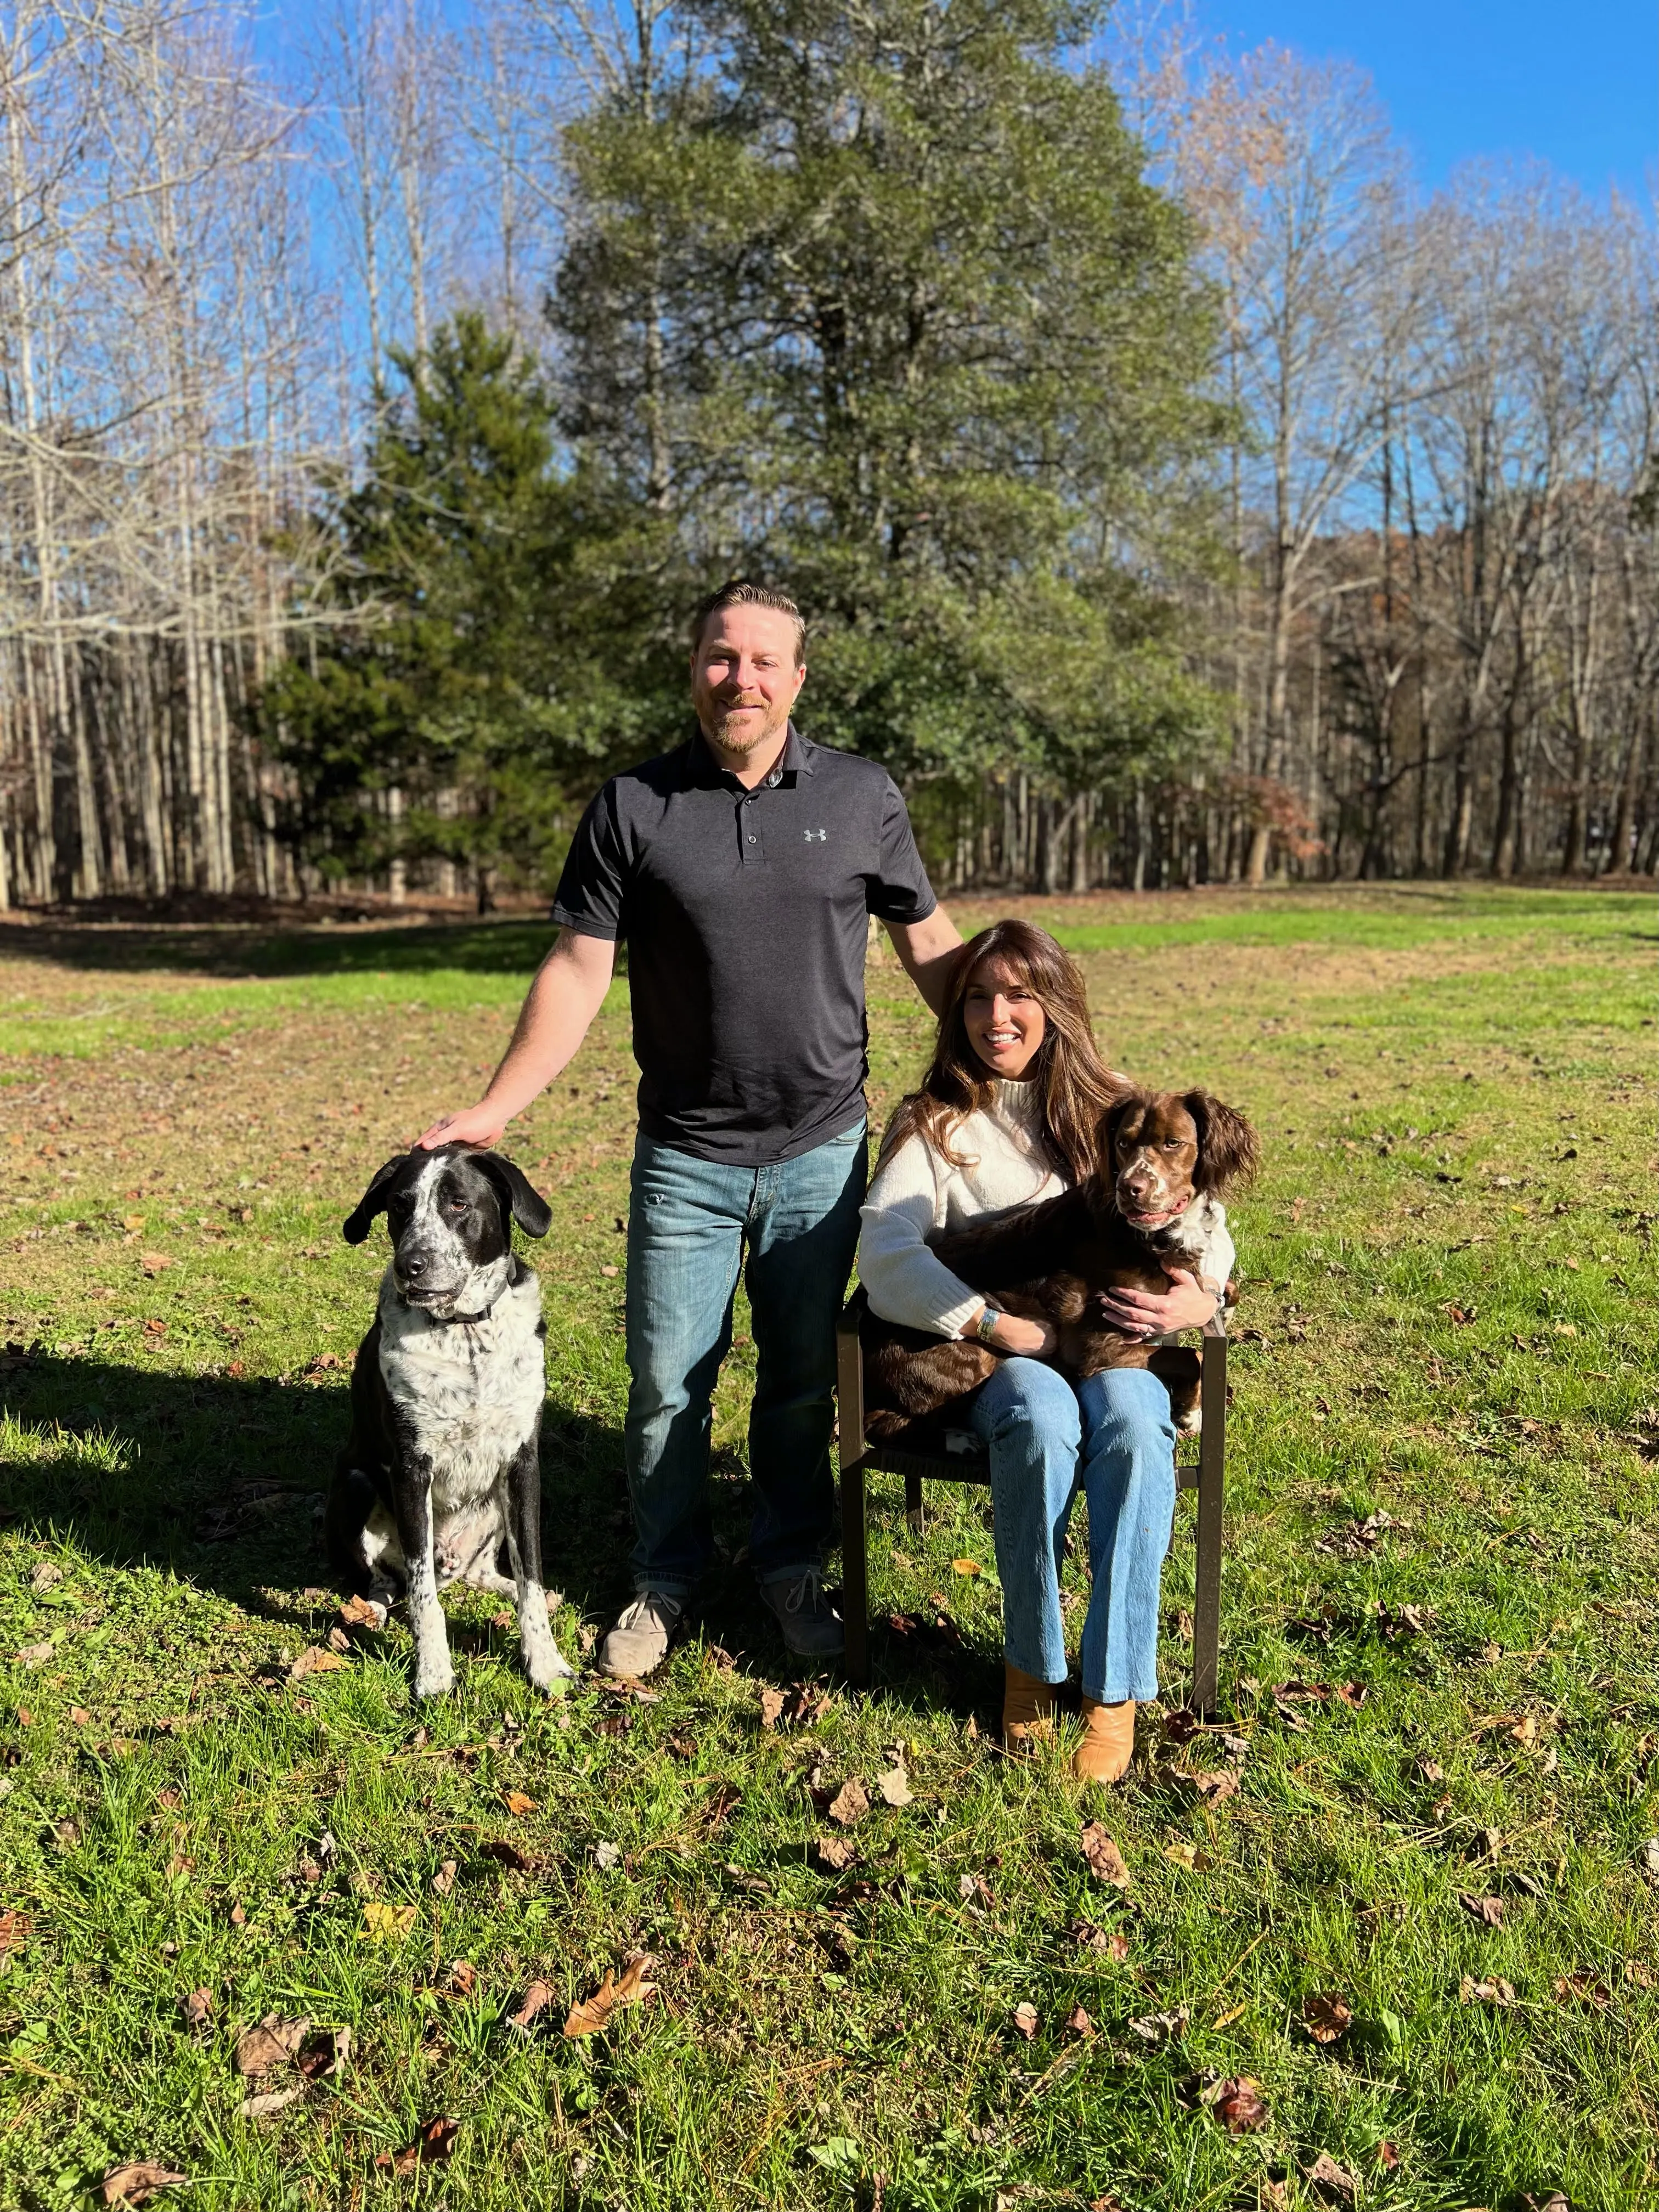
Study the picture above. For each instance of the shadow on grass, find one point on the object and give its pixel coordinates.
(234, 949)
(220, 1480)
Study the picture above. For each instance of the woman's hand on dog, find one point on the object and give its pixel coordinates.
(1186, 1304)
(1016, 1337)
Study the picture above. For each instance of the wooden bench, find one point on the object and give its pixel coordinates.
(1199, 1469)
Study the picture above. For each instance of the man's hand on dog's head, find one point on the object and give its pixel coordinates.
(481, 1124)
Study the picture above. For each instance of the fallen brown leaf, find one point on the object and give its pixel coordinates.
(153, 1263)
(1388, 2157)
(1326, 2017)
(1215, 1785)
(324, 2054)
(1495, 1991)
(536, 1999)
(317, 1659)
(593, 2014)
(518, 1803)
(849, 1804)
(444, 1881)
(1078, 2022)
(1106, 1862)
(197, 2006)
(771, 1707)
(435, 2141)
(138, 2183)
(266, 2101)
(274, 2042)
(1330, 2178)
(1189, 1856)
(1582, 1989)
(14, 1931)
(835, 1854)
(1489, 1911)
(508, 1855)
(966, 1567)
(1025, 2020)
(361, 1613)
(1160, 2027)
(894, 1786)
(1241, 2107)
(463, 1978)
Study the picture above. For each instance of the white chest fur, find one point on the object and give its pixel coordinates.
(470, 1391)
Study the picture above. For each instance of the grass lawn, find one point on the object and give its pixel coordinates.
(1404, 1884)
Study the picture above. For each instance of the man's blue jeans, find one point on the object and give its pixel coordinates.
(1112, 1438)
(688, 1225)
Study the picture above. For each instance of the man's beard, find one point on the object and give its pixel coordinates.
(740, 732)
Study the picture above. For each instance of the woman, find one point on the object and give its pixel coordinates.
(1007, 1113)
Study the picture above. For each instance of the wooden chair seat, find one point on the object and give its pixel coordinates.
(957, 1456)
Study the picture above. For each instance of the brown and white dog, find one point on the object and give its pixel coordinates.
(1165, 1158)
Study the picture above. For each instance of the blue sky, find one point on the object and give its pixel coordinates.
(1577, 84)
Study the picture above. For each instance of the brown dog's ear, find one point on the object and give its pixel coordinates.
(1109, 1123)
(1228, 1147)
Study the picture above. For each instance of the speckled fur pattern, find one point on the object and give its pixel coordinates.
(441, 1480)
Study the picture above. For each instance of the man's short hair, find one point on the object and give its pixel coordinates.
(740, 592)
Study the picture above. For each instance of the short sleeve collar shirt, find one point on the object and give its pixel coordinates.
(745, 915)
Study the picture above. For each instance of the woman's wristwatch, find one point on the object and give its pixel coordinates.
(985, 1327)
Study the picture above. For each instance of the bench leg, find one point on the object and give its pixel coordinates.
(1212, 1452)
(913, 1501)
(854, 1577)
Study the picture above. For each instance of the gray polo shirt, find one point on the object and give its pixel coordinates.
(745, 917)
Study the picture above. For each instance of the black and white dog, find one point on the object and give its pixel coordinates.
(441, 1480)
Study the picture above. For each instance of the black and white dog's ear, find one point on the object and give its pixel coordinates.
(373, 1201)
(528, 1207)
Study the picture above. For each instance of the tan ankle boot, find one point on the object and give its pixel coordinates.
(1028, 1706)
(1109, 1742)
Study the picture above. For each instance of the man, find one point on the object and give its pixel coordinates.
(741, 869)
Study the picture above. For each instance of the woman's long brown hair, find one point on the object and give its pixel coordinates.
(1074, 1081)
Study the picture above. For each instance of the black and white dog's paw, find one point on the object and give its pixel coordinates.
(543, 1663)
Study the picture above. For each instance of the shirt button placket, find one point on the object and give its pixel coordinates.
(749, 831)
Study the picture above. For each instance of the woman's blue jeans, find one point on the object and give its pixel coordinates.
(1111, 1437)
(688, 1225)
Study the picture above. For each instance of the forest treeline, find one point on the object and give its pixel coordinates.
(1175, 493)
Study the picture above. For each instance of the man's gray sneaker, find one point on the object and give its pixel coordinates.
(811, 1626)
(643, 1632)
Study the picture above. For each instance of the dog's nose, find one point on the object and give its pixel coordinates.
(416, 1265)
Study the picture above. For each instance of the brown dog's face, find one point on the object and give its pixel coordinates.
(1155, 1149)
(1159, 1149)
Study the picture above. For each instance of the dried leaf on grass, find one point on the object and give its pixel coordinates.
(835, 1854)
(849, 1804)
(1160, 2027)
(1489, 1911)
(1079, 2023)
(1189, 1856)
(1106, 1862)
(536, 1999)
(969, 1567)
(801, 1707)
(518, 1803)
(1025, 2020)
(1330, 2178)
(264, 2102)
(593, 2015)
(435, 2141)
(197, 2006)
(361, 1613)
(14, 1931)
(1215, 1785)
(138, 2183)
(274, 2042)
(894, 1786)
(444, 1881)
(506, 1854)
(317, 1659)
(1240, 2105)
(1326, 2017)
(1494, 1990)
(325, 2054)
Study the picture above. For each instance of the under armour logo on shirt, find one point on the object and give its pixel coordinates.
(821, 835)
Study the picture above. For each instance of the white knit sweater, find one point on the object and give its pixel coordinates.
(917, 1191)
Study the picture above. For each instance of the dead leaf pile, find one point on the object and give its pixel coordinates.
(801, 1707)
(592, 2016)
